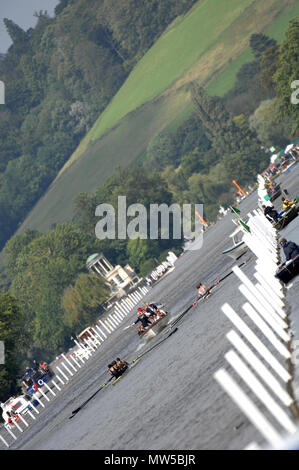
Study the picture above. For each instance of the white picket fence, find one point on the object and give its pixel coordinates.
(267, 377)
(69, 366)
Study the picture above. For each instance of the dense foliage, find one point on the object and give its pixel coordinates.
(139, 187)
(41, 267)
(82, 301)
(14, 334)
(59, 77)
(263, 88)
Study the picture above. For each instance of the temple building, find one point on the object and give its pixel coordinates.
(120, 279)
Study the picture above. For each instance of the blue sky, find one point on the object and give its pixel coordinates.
(21, 12)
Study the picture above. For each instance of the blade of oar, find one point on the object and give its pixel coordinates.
(74, 412)
(198, 300)
(224, 277)
(132, 362)
(126, 327)
(154, 346)
(181, 315)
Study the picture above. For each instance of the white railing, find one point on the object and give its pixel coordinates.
(263, 323)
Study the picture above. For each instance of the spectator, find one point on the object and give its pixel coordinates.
(290, 249)
(270, 213)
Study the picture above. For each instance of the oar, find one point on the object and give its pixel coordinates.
(132, 362)
(154, 346)
(126, 327)
(224, 277)
(197, 300)
(74, 412)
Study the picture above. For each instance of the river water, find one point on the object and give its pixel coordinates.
(170, 399)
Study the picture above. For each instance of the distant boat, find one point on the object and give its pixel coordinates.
(239, 247)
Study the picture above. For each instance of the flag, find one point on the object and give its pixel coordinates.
(235, 210)
(244, 225)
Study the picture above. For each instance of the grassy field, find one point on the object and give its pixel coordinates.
(179, 48)
(223, 83)
(209, 44)
(201, 46)
(170, 57)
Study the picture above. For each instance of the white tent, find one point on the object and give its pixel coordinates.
(288, 148)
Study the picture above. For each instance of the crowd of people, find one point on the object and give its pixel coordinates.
(285, 159)
(290, 249)
(31, 373)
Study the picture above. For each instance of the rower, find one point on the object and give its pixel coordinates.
(143, 319)
(153, 311)
(202, 290)
(286, 203)
(116, 368)
(113, 369)
(121, 364)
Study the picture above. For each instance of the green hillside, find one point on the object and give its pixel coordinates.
(120, 147)
(60, 76)
(223, 83)
(196, 48)
(209, 44)
(170, 57)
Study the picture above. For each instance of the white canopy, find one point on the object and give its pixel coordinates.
(288, 148)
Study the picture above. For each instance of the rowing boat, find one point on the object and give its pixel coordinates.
(287, 271)
(155, 328)
(130, 366)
